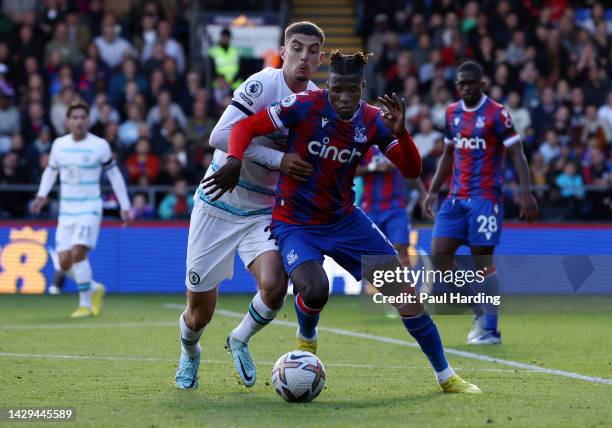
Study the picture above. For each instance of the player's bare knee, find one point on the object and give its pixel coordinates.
(200, 308)
(315, 294)
(78, 253)
(273, 290)
(197, 317)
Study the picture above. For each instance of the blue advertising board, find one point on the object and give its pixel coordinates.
(150, 258)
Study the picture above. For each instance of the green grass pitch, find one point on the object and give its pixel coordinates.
(118, 369)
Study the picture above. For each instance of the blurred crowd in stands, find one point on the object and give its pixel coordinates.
(548, 61)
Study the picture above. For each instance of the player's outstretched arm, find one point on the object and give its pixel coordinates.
(243, 132)
(46, 184)
(443, 171)
(118, 184)
(529, 209)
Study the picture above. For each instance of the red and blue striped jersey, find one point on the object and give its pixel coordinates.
(382, 191)
(480, 136)
(333, 146)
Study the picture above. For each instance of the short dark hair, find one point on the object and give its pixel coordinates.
(471, 67)
(347, 64)
(304, 27)
(77, 104)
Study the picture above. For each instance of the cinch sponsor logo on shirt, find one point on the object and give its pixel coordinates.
(326, 151)
(472, 143)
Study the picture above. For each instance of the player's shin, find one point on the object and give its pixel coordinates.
(83, 278)
(308, 318)
(422, 328)
(190, 340)
(491, 289)
(257, 317)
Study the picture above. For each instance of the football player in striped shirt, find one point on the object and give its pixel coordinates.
(479, 131)
(332, 130)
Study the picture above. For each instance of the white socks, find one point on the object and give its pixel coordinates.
(82, 276)
(258, 316)
(444, 374)
(190, 339)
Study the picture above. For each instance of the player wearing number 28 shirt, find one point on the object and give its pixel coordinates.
(479, 131)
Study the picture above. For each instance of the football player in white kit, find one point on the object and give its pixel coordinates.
(79, 158)
(240, 220)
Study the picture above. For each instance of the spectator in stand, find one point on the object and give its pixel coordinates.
(142, 166)
(119, 80)
(427, 137)
(571, 186)
(180, 150)
(68, 50)
(164, 108)
(90, 80)
(130, 130)
(105, 116)
(550, 149)
(518, 113)
(189, 93)
(113, 49)
(170, 46)
(27, 155)
(597, 171)
(604, 114)
(59, 107)
(178, 204)
(200, 125)
(543, 116)
(141, 209)
(171, 170)
(593, 126)
(10, 122)
(11, 173)
(539, 169)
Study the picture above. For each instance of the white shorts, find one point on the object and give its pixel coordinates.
(213, 242)
(77, 231)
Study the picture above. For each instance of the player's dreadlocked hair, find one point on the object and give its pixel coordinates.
(347, 64)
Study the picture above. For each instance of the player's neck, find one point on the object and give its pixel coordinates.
(294, 84)
(474, 104)
(79, 137)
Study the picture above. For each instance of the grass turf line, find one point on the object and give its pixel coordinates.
(120, 393)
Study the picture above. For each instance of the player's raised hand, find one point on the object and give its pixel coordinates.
(38, 204)
(224, 180)
(529, 209)
(427, 205)
(125, 217)
(394, 113)
(293, 165)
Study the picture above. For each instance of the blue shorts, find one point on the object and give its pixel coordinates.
(476, 221)
(393, 223)
(345, 241)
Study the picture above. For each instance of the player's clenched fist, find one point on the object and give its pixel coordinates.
(224, 180)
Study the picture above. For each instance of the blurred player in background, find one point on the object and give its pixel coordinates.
(478, 132)
(240, 221)
(383, 199)
(79, 158)
(333, 129)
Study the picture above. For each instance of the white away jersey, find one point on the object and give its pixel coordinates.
(80, 165)
(254, 194)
